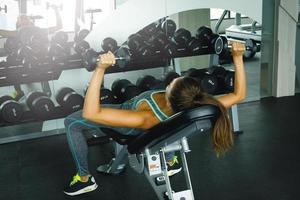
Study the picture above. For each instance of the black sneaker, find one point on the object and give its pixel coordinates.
(77, 187)
(173, 166)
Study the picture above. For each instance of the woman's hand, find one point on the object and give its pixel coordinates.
(106, 60)
(237, 48)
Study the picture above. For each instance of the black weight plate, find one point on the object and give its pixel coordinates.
(61, 95)
(130, 92)
(90, 59)
(60, 37)
(146, 83)
(5, 98)
(109, 44)
(182, 36)
(169, 27)
(229, 80)
(42, 107)
(72, 102)
(194, 45)
(81, 46)
(124, 55)
(12, 44)
(106, 96)
(32, 96)
(250, 49)
(218, 45)
(204, 33)
(82, 34)
(117, 86)
(11, 111)
(209, 83)
(170, 77)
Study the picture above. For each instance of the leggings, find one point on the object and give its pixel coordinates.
(75, 126)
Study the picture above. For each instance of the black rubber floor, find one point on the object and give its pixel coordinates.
(264, 164)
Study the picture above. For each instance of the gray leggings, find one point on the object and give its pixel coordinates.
(75, 125)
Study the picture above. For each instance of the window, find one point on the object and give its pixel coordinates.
(8, 20)
(216, 13)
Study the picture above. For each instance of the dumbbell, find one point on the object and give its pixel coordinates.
(90, 58)
(251, 47)
(40, 104)
(225, 79)
(11, 111)
(59, 48)
(207, 81)
(161, 43)
(81, 46)
(164, 24)
(81, 35)
(186, 42)
(106, 95)
(139, 45)
(212, 41)
(69, 100)
(169, 77)
(124, 90)
(148, 82)
(11, 45)
(109, 44)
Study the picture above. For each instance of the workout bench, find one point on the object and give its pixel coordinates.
(146, 152)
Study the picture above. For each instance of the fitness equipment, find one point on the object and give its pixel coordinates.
(160, 42)
(59, 48)
(69, 100)
(139, 45)
(148, 82)
(90, 58)
(225, 79)
(251, 47)
(186, 42)
(146, 152)
(109, 44)
(208, 82)
(213, 41)
(11, 111)
(40, 104)
(81, 46)
(124, 90)
(12, 44)
(106, 96)
(168, 26)
(81, 35)
(169, 77)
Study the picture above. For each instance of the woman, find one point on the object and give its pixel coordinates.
(146, 111)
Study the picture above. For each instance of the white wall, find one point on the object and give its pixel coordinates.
(286, 69)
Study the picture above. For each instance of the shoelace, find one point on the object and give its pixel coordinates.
(76, 178)
(174, 161)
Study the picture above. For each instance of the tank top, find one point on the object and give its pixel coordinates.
(146, 96)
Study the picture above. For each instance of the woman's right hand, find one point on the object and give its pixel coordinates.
(237, 48)
(106, 60)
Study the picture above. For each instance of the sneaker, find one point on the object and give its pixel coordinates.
(173, 166)
(77, 187)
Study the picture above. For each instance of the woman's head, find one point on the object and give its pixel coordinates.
(186, 92)
(23, 20)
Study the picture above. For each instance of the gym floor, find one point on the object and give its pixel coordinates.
(264, 163)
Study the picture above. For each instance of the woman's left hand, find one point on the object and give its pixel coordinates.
(106, 60)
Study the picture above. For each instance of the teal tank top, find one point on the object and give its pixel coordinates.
(147, 96)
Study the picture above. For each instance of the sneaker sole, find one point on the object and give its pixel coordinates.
(173, 172)
(83, 190)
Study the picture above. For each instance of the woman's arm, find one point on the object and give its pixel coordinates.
(239, 92)
(58, 25)
(93, 111)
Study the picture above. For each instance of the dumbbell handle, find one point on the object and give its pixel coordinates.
(117, 58)
(247, 48)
